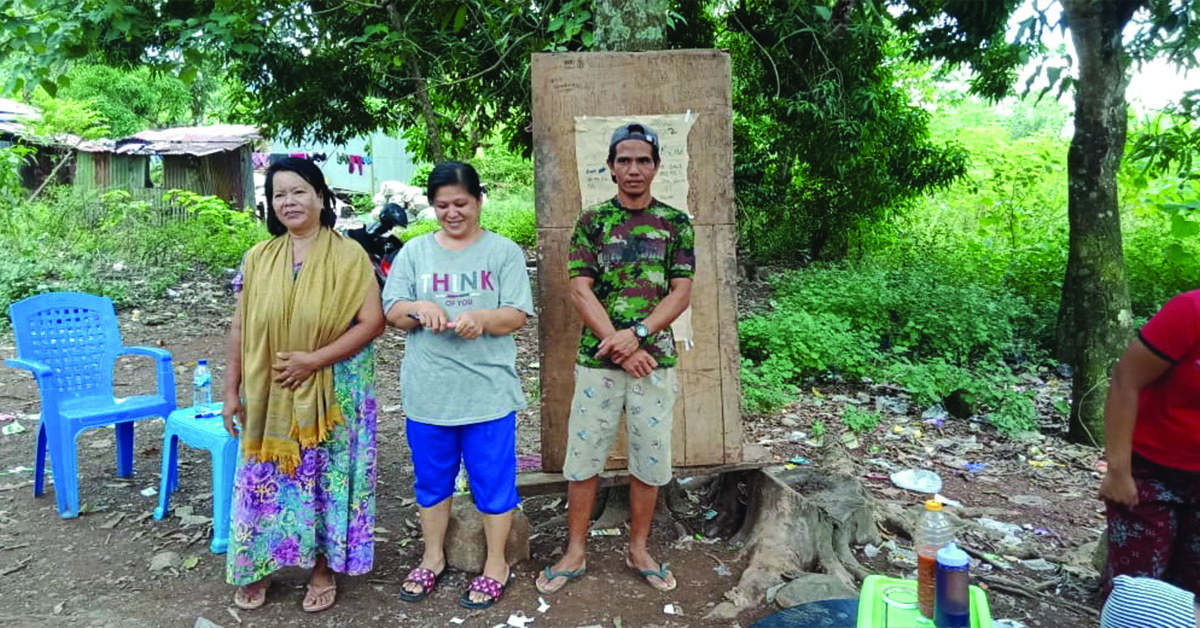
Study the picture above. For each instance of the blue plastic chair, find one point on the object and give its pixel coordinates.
(70, 342)
(206, 432)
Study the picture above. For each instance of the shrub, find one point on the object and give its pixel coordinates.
(116, 246)
(859, 420)
(511, 214)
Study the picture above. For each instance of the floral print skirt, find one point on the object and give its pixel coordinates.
(327, 508)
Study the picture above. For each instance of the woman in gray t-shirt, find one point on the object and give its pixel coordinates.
(460, 293)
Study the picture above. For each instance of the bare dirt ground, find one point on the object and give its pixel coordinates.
(93, 571)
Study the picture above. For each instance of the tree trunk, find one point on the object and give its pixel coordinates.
(432, 132)
(1095, 320)
(631, 25)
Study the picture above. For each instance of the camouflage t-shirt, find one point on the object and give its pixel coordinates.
(632, 255)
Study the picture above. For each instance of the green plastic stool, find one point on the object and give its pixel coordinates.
(871, 608)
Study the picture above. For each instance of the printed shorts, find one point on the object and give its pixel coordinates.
(1159, 537)
(601, 395)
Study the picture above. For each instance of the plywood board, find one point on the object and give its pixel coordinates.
(566, 85)
(621, 86)
(730, 361)
(558, 335)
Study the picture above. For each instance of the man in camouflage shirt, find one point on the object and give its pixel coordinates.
(631, 265)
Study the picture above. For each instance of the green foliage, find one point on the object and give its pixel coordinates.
(11, 160)
(130, 101)
(511, 214)
(1016, 414)
(859, 420)
(919, 322)
(767, 386)
(116, 245)
(65, 115)
(825, 138)
(362, 203)
(419, 228)
(501, 169)
(818, 428)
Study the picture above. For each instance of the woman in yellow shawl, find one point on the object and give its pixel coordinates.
(300, 349)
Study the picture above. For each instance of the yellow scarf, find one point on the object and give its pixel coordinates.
(283, 311)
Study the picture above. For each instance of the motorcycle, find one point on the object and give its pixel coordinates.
(376, 239)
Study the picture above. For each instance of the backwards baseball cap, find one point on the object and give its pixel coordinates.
(634, 131)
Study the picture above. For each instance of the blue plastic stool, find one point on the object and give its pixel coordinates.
(201, 433)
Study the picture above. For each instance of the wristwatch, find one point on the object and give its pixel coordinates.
(640, 331)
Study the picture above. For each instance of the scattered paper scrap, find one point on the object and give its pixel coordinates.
(518, 620)
(12, 428)
(149, 491)
(606, 532)
(672, 609)
(542, 605)
(458, 621)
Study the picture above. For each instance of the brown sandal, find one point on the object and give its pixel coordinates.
(255, 601)
(315, 593)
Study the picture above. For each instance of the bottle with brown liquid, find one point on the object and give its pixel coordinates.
(934, 532)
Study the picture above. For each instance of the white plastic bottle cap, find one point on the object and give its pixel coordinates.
(951, 556)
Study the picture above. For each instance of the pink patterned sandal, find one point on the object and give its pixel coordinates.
(425, 579)
(485, 585)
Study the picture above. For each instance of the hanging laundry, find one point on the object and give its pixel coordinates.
(260, 160)
(343, 158)
(299, 155)
(356, 160)
(367, 160)
(318, 158)
(277, 157)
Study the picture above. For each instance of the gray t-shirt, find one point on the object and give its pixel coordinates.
(444, 379)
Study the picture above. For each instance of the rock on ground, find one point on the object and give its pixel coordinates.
(813, 587)
(466, 545)
(165, 560)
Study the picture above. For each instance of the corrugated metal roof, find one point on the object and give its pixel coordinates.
(13, 111)
(197, 140)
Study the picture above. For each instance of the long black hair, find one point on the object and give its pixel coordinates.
(308, 171)
(454, 173)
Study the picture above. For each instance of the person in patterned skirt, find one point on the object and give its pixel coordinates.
(631, 265)
(1151, 490)
(301, 353)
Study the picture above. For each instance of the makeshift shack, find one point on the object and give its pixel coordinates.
(45, 162)
(210, 160)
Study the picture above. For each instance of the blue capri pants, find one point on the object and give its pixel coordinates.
(489, 451)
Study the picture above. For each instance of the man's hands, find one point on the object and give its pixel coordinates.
(640, 364)
(619, 346)
(624, 350)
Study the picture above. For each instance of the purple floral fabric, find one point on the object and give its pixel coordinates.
(327, 508)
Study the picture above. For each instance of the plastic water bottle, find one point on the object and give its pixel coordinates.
(933, 533)
(202, 389)
(952, 604)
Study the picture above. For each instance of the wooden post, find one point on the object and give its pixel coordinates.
(707, 427)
